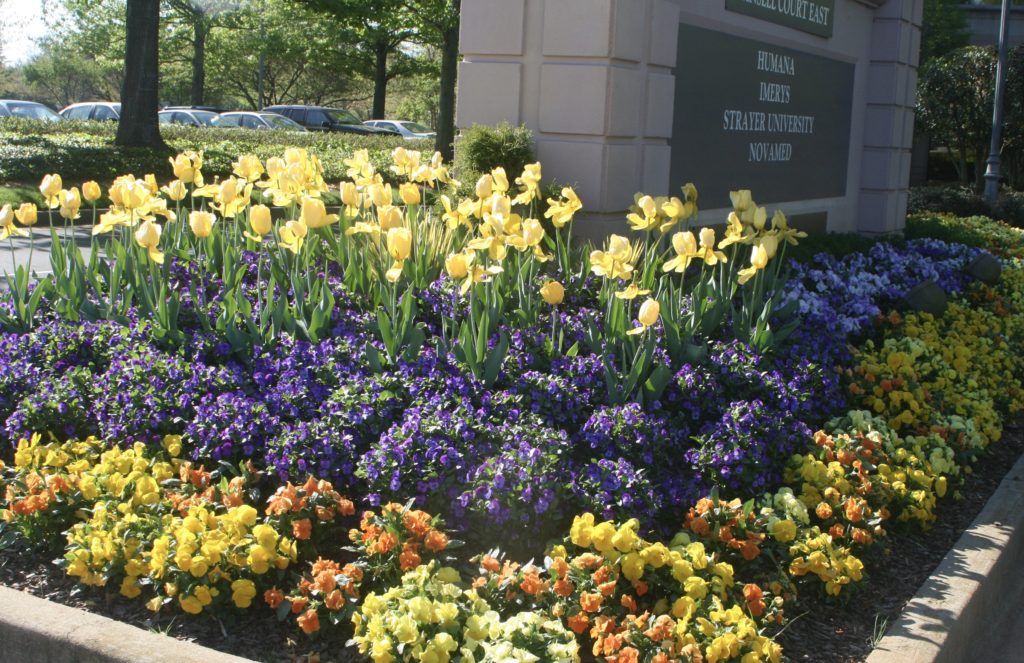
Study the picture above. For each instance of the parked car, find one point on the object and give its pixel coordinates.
(320, 118)
(27, 109)
(189, 117)
(409, 130)
(264, 120)
(93, 110)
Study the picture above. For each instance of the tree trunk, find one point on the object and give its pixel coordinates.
(380, 80)
(446, 105)
(140, 94)
(199, 62)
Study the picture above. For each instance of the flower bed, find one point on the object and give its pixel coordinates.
(362, 421)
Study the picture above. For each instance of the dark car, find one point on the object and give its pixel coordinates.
(320, 118)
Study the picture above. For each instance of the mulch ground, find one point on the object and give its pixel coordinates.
(820, 630)
(828, 631)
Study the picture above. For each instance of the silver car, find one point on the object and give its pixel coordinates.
(93, 110)
(189, 117)
(27, 109)
(265, 121)
(408, 130)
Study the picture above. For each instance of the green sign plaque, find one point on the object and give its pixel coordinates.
(754, 115)
(814, 16)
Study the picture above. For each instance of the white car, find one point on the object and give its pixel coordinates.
(189, 117)
(408, 130)
(93, 110)
(265, 121)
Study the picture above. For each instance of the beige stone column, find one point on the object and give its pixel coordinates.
(889, 116)
(593, 80)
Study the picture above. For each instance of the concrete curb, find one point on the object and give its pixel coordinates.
(34, 630)
(966, 594)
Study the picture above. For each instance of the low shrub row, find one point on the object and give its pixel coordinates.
(86, 151)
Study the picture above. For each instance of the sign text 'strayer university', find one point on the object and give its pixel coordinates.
(753, 114)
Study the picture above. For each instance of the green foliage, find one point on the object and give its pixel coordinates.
(978, 231)
(82, 151)
(944, 29)
(964, 202)
(482, 149)
(955, 103)
(836, 244)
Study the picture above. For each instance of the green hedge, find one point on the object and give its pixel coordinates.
(82, 151)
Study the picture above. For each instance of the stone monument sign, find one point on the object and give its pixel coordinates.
(809, 103)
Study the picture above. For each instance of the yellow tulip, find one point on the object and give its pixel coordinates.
(530, 183)
(7, 227)
(248, 167)
(561, 212)
(399, 243)
(176, 190)
(260, 222)
(350, 197)
(187, 167)
(201, 223)
(91, 191)
(457, 265)
(649, 313)
(151, 184)
(553, 293)
(381, 195)
(70, 203)
(293, 234)
(314, 213)
(613, 263)
(631, 292)
(147, 235)
(50, 188)
(685, 246)
(410, 194)
(484, 187)
(758, 261)
(499, 180)
(646, 206)
(389, 217)
(27, 214)
(707, 250)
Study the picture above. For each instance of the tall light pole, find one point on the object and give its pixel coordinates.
(992, 170)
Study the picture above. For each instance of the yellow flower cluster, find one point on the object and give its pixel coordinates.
(429, 618)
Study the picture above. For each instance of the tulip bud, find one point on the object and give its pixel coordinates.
(484, 187)
(349, 194)
(410, 194)
(553, 293)
(70, 202)
(390, 217)
(650, 311)
(27, 214)
(707, 238)
(533, 232)
(259, 219)
(6, 216)
(91, 191)
(201, 223)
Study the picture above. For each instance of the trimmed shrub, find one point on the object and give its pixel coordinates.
(481, 149)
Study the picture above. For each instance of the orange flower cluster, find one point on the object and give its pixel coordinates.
(308, 510)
